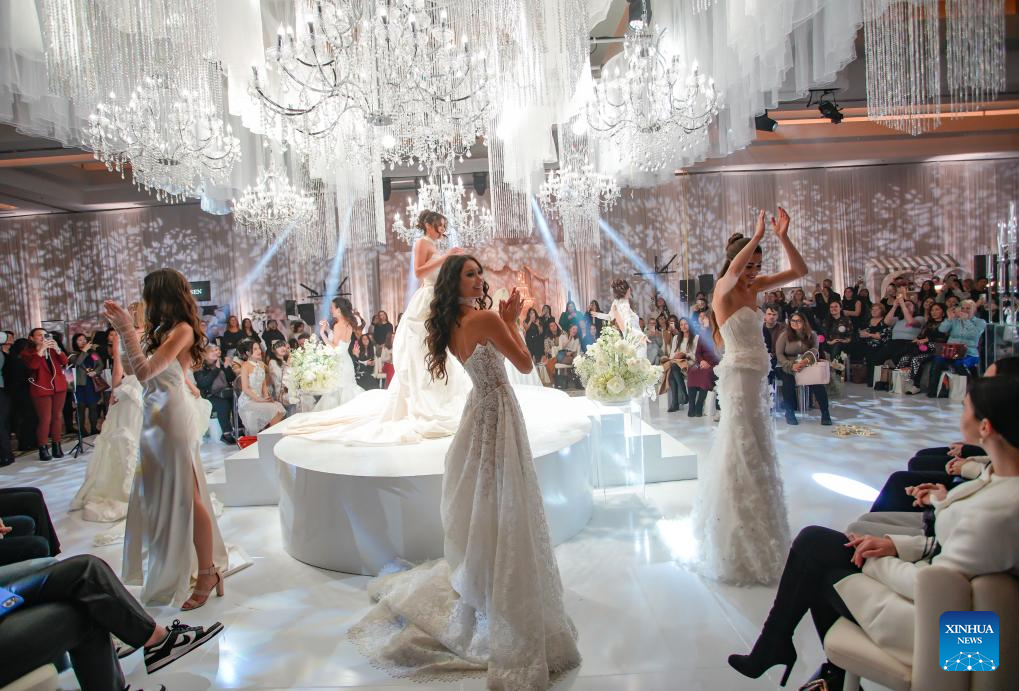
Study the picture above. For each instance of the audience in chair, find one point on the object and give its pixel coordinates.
(796, 349)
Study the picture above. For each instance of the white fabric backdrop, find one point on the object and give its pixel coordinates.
(61, 267)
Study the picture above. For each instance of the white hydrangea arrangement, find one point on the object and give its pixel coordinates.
(313, 368)
(612, 371)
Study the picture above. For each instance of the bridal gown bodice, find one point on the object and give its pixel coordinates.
(631, 322)
(495, 602)
(740, 516)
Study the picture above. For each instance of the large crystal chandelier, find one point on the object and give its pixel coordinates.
(467, 223)
(975, 55)
(576, 195)
(655, 109)
(174, 141)
(274, 206)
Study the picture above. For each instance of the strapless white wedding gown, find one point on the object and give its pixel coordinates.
(631, 322)
(346, 389)
(104, 494)
(495, 602)
(740, 518)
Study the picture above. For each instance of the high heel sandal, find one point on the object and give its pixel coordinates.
(765, 655)
(204, 594)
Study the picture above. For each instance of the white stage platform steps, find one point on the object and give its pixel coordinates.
(354, 509)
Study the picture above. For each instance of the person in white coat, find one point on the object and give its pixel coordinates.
(871, 580)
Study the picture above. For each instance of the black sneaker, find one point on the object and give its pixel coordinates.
(228, 438)
(180, 640)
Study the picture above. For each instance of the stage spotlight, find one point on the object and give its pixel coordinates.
(765, 124)
(640, 13)
(830, 110)
(481, 183)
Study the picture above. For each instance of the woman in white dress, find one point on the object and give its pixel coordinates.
(346, 323)
(625, 319)
(104, 494)
(495, 602)
(254, 405)
(169, 515)
(740, 516)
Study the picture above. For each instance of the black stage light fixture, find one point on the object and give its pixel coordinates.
(765, 124)
(387, 188)
(826, 104)
(481, 183)
(639, 14)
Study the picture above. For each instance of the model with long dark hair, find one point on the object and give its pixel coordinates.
(495, 602)
(740, 515)
(169, 515)
(347, 323)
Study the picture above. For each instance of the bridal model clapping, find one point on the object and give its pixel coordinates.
(169, 514)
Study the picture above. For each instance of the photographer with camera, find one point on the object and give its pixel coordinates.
(48, 388)
(88, 385)
(215, 382)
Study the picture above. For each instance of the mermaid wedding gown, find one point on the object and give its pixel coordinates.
(495, 602)
(740, 516)
(346, 387)
(104, 494)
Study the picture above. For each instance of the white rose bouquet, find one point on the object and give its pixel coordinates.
(313, 368)
(612, 371)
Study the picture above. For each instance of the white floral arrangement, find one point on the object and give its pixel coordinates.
(313, 368)
(612, 371)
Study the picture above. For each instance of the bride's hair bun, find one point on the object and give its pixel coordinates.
(428, 217)
(619, 288)
(735, 237)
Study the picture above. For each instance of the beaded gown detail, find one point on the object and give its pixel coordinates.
(740, 518)
(495, 602)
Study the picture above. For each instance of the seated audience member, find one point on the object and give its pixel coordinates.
(26, 530)
(852, 306)
(272, 334)
(700, 375)
(655, 341)
(569, 317)
(552, 333)
(297, 329)
(700, 304)
(215, 381)
(385, 359)
(824, 296)
(838, 333)
(795, 350)
(799, 305)
(682, 357)
(569, 348)
(963, 327)
(586, 338)
(382, 329)
(952, 288)
(362, 352)
(924, 345)
(73, 606)
(773, 328)
(871, 580)
(232, 336)
(248, 329)
(278, 362)
(906, 326)
(534, 336)
(873, 337)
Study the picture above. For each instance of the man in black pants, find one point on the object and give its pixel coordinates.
(73, 606)
(24, 511)
(215, 382)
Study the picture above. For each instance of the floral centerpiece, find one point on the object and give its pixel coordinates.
(612, 371)
(313, 368)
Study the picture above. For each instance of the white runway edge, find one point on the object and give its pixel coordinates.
(355, 509)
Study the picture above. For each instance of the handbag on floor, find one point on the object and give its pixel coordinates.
(858, 373)
(951, 351)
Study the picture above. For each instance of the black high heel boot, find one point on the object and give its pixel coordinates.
(767, 653)
(44, 453)
(57, 451)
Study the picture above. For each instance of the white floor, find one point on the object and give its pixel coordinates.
(645, 621)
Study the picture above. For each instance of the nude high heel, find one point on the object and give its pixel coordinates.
(194, 601)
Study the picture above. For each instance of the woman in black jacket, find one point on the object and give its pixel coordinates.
(86, 363)
(16, 374)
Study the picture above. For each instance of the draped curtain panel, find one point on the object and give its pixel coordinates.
(61, 267)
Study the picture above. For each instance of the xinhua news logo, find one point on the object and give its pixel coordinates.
(968, 641)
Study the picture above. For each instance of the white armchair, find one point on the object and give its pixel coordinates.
(938, 590)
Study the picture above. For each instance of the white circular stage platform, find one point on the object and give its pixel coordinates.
(356, 508)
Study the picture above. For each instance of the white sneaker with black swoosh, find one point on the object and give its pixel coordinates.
(180, 640)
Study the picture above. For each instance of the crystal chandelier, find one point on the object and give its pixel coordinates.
(975, 56)
(576, 195)
(174, 141)
(274, 206)
(467, 223)
(654, 109)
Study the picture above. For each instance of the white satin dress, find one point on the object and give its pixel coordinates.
(159, 550)
(495, 602)
(740, 518)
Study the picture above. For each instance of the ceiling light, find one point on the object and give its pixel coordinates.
(640, 14)
(765, 124)
(826, 104)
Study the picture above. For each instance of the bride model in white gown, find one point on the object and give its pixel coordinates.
(414, 407)
(345, 323)
(172, 543)
(625, 319)
(495, 602)
(104, 494)
(740, 518)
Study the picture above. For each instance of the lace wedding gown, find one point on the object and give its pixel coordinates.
(104, 494)
(630, 320)
(158, 542)
(495, 602)
(346, 388)
(740, 516)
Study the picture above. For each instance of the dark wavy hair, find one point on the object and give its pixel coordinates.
(733, 246)
(168, 302)
(247, 345)
(428, 217)
(992, 399)
(347, 310)
(444, 312)
(619, 288)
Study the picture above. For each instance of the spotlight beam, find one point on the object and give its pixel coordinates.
(333, 277)
(643, 269)
(259, 268)
(552, 248)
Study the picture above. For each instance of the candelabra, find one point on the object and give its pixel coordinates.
(274, 206)
(576, 195)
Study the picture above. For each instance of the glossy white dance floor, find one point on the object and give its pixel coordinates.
(645, 621)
